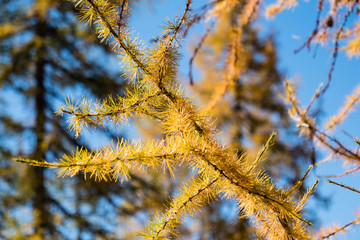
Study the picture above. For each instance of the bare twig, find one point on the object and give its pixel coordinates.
(342, 174)
(196, 50)
(341, 229)
(344, 186)
(336, 50)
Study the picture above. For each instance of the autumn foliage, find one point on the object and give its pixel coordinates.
(190, 134)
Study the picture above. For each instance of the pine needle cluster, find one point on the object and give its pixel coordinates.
(189, 133)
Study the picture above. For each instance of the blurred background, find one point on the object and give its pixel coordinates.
(46, 56)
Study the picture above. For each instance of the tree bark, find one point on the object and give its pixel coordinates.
(42, 223)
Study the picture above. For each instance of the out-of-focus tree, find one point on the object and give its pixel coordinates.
(46, 55)
(243, 69)
(188, 136)
(247, 105)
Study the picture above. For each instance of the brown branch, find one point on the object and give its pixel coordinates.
(111, 113)
(190, 199)
(121, 16)
(336, 50)
(196, 50)
(182, 20)
(90, 164)
(341, 229)
(315, 31)
(253, 11)
(118, 38)
(344, 186)
(340, 149)
(250, 191)
(342, 174)
(322, 137)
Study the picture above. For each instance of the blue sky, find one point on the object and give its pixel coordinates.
(299, 23)
(291, 29)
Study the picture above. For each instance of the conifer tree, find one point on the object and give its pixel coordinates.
(247, 107)
(189, 135)
(45, 55)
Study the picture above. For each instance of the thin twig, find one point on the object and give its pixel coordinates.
(336, 50)
(87, 164)
(183, 205)
(342, 174)
(117, 37)
(315, 31)
(344, 186)
(328, 158)
(252, 13)
(341, 229)
(111, 113)
(196, 50)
